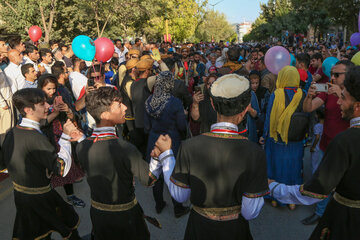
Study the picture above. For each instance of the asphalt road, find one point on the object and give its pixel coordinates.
(273, 223)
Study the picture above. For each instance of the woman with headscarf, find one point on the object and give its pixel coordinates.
(284, 130)
(164, 114)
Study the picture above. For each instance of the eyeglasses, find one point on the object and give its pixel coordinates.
(336, 74)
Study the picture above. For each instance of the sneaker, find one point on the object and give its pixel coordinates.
(75, 201)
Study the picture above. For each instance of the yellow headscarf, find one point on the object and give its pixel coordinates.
(280, 116)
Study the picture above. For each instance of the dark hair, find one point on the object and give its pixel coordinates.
(43, 52)
(262, 60)
(317, 56)
(95, 69)
(75, 60)
(25, 68)
(347, 63)
(27, 98)
(233, 54)
(45, 79)
(114, 61)
(2, 39)
(254, 72)
(57, 69)
(29, 48)
(52, 42)
(137, 39)
(100, 100)
(14, 41)
(170, 63)
(117, 40)
(352, 82)
(303, 58)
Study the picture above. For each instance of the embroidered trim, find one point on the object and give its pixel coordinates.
(114, 207)
(102, 138)
(25, 128)
(153, 177)
(311, 194)
(219, 214)
(256, 195)
(62, 166)
(325, 234)
(179, 184)
(221, 135)
(32, 191)
(346, 202)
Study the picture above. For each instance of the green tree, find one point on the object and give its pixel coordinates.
(215, 25)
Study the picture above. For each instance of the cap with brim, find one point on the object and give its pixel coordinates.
(145, 57)
(134, 52)
(131, 63)
(145, 64)
(231, 94)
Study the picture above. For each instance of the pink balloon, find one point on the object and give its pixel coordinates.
(104, 49)
(276, 58)
(35, 33)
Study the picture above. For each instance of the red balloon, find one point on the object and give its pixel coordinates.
(35, 33)
(104, 49)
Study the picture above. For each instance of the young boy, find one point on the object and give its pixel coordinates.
(110, 164)
(316, 153)
(31, 160)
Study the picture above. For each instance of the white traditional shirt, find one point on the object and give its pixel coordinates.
(15, 77)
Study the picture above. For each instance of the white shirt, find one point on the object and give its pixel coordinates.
(26, 60)
(47, 67)
(77, 81)
(15, 77)
(5, 89)
(121, 54)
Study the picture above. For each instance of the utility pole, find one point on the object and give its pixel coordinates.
(213, 5)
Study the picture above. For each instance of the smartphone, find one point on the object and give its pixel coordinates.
(321, 87)
(91, 82)
(197, 89)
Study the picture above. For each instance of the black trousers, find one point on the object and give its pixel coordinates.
(158, 190)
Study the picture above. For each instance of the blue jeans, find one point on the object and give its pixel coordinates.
(321, 206)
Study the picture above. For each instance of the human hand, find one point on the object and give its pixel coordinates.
(63, 107)
(312, 91)
(69, 128)
(76, 135)
(99, 84)
(334, 89)
(198, 97)
(163, 143)
(262, 140)
(270, 181)
(155, 153)
(5, 108)
(41, 68)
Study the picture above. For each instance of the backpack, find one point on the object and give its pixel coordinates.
(299, 122)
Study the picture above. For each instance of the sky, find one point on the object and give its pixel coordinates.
(238, 10)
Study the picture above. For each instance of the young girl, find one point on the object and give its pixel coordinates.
(59, 112)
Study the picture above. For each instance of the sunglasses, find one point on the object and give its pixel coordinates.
(336, 74)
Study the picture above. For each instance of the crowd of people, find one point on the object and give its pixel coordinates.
(208, 119)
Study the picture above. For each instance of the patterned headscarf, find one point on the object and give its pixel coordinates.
(156, 103)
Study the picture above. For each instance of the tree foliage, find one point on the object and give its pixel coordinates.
(214, 25)
(66, 19)
(297, 16)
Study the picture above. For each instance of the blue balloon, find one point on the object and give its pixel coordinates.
(328, 64)
(83, 47)
(293, 60)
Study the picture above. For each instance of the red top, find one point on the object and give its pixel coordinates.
(333, 123)
(324, 78)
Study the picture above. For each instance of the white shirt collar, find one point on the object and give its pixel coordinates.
(225, 125)
(355, 122)
(25, 122)
(103, 130)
